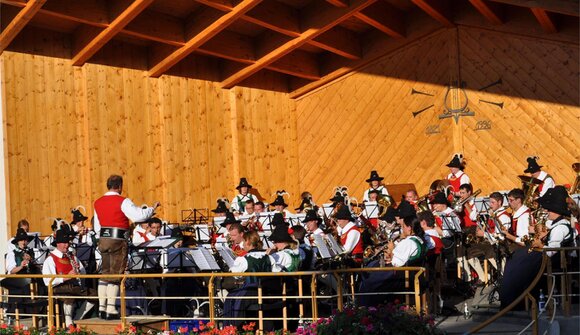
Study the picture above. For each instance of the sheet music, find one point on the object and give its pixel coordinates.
(482, 204)
(327, 209)
(159, 242)
(36, 242)
(227, 255)
(576, 198)
(202, 232)
(321, 246)
(336, 248)
(296, 219)
(204, 259)
(371, 210)
(177, 258)
(451, 224)
(266, 219)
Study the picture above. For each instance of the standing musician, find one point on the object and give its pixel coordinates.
(522, 221)
(112, 214)
(375, 184)
(499, 216)
(349, 233)
(536, 171)
(239, 201)
(61, 261)
(456, 176)
(468, 212)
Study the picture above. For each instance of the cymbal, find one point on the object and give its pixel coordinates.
(529, 180)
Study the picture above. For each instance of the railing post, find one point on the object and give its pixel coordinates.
(313, 293)
(50, 304)
(122, 292)
(418, 291)
(340, 301)
(407, 286)
(260, 311)
(534, 314)
(284, 307)
(300, 293)
(211, 298)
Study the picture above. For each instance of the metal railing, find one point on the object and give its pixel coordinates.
(412, 289)
(545, 269)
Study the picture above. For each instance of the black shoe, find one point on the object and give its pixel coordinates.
(113, 316)
(102, 315)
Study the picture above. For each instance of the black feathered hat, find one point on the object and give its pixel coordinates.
(20, 236)
(62, 236)
(311, 215)
(278, 220)
(555, 201)
(230, 218)
(281, 234)
(533, 165)
(456, 161)
(243, 183)
(77, 215)
(374, 176)
(406, 210)
(221, 207)
(279, 201)
(343, 213)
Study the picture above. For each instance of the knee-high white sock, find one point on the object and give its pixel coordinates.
(476, 265)
(84, 310)
(102, 292)
(67, 308)
(464, 267)
(492, 262)
(112, 292)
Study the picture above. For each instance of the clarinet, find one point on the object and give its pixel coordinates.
(75, 265)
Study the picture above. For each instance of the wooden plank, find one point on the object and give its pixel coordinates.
(545, 20)
(20, 21)
(298, 63)
(566, 7)
(340, 41)
(202, 36)
(338, 3)
(437, 9)
(315, 21)
(491, 11)
(87, 11)
(384, 17)
(110, 31)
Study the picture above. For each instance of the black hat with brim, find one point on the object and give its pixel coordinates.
(278, 220)
(230, 219)
(390, 214)
(455, 162)
(337, 197)
(533, 166)
(281, 234)
(555, 201)
(374, 177)
(62, 236)
(279, 201)
(311, 215)
(21, 235)
(220, 208)
(440, 198)
(78, 216)
(343, 213)
(243, 183)
(406, 210)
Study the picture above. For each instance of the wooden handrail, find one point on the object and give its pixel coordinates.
(501, 313)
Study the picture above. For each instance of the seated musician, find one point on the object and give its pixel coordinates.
(409, 251)
(61, 261)
(307, 257)
(255, 260)
(306, 204)
(432, 238)
(447, 225)
(236, 238)
(22, 224)
(56, 223)
(280, 205)
(349, 233)
(373, 197)
(229, 220)
(239, 201)
(259, 207)
(522, 221)
(285, 256)
(499, 219)
(78, 219)
(536, 171)
(221, 209)
(411, 196)
(456, 176)
(312, 223)
(251, 221)
(249, 208)
(140, 233)
(375, 184)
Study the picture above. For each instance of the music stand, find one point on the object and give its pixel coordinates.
(336, 248)
(451, 224)
(144, 260)
(371, 210)
(265, 220)
(40, 255)
(321, 246)
(328, 210)
(296, 219)
(227, 255)
(36, 242)
(202, 233)
(177, 258)
(264, 237)
(161, 242)
(482, 204)
(204, 260)
(576, 198)
(84, 252)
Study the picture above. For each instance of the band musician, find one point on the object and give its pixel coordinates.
(536, 171)
(375, 184)
(456, 176)
(238, 203)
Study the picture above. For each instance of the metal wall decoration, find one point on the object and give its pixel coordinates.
(456, 103)
(432, 129)
(483, 125)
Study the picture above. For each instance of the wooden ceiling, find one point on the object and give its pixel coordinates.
(303, 43)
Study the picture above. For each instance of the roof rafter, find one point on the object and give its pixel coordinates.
(566, 7)
(96, 43)
(201, 34)
(545, 20)
(437, 9)
(384, 17)
(285, 20)
(491, 11)
(316, 21)
(19, 22)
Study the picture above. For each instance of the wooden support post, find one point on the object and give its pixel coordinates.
(314, 302)
(260, 312)
(123, 304)
(284, 307)
(407, 300)
(340, 302)
(485, 270)
(300, 293)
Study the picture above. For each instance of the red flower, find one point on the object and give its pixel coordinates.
(182, 330)
(3, 326)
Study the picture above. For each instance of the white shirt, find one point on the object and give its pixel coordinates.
(352, 238)
(382, 190)
(404, 250)
(49, 268)
(241, 263)
(505, 220)
(11, 259)
(282, 259)
(236, 206)
(523, 223)
(473, 213)
(428, 233)
(131, 211)
(558, 233)
(548, 182)
(136, 238)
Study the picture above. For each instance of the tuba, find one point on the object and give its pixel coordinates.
(576, 186)
(530, 186)
(384, 203)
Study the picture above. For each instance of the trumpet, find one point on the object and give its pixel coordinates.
(458, 205)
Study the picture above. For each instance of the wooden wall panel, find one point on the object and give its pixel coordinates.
(364, 122)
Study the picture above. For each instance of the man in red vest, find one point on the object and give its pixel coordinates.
(456, 175)
(350, 236)
(112, 214)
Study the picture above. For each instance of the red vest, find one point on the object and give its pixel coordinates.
(108, 209)
(238, 251)
(456, 182)
(467, 222)
(438, 246)
(374, 222)
(62, 265)
(358, 248)
(514, 228)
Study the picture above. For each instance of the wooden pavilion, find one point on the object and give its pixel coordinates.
(184, 97)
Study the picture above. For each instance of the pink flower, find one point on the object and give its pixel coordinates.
(182, 330)
(369, 327)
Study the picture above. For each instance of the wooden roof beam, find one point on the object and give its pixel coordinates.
(316, 21)
(339, 41)
(201, 32)
(437, 9)
(566, 7)
(20, 21)
(91, 12)
(490, 11)
(338, 3)
(95, 44)
(545, 20)
(285, 20)
(384, 17)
